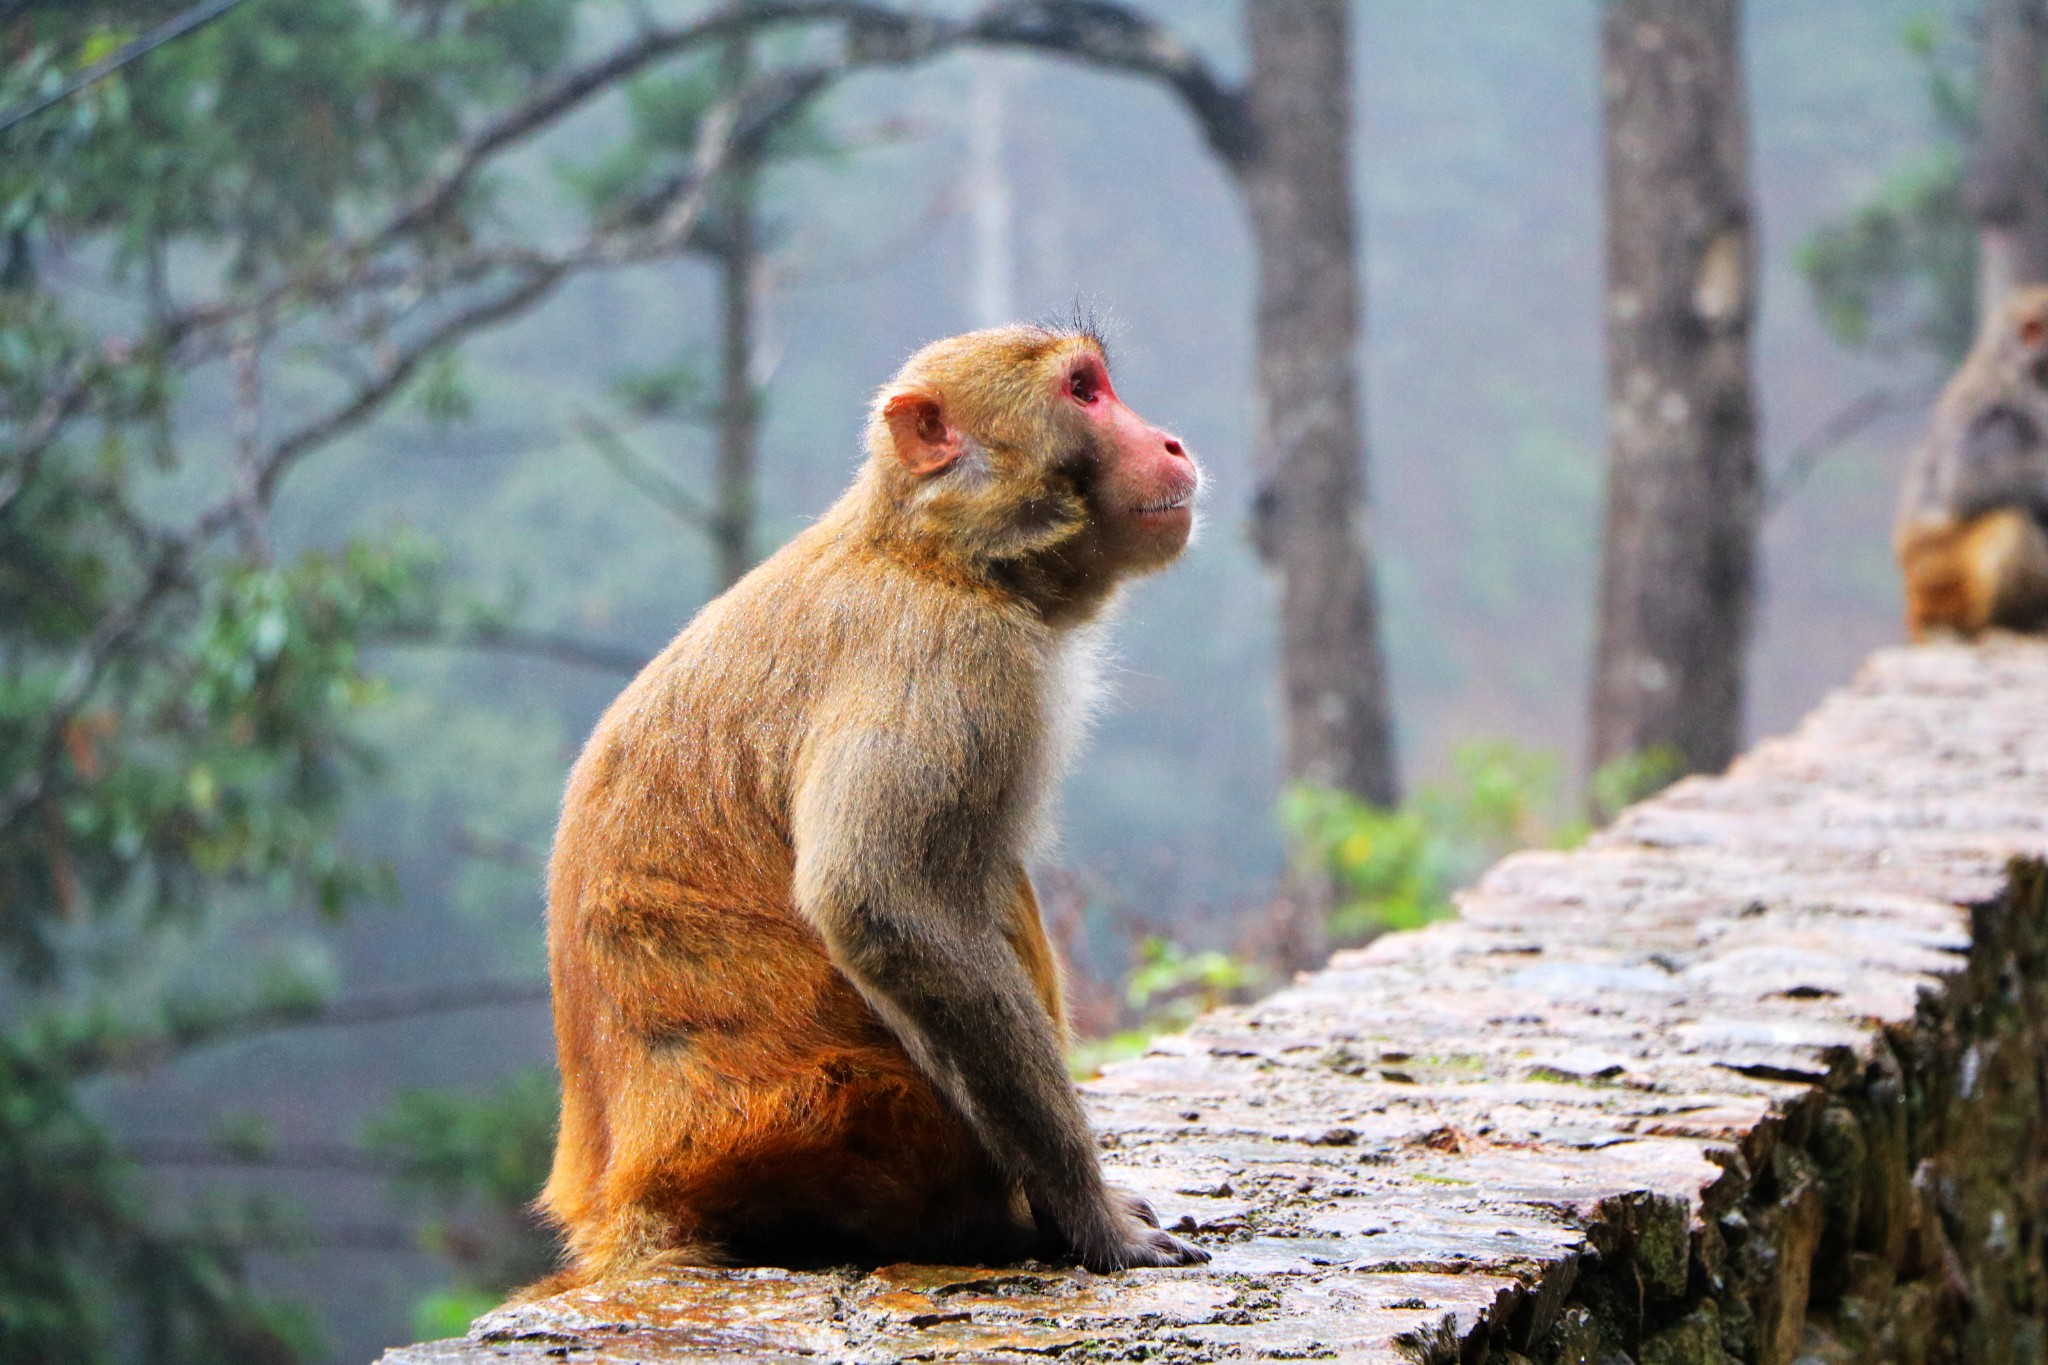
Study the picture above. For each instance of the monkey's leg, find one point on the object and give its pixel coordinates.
(757, 1111)
(2014, 554)
(702, 1031)
(1946, 588)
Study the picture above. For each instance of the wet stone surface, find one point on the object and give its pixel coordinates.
(1755, 1076)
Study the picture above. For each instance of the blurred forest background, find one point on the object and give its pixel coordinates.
(332, 512)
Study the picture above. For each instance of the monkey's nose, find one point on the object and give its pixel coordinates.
(1174, 447)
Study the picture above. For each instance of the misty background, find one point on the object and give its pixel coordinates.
(986, 188)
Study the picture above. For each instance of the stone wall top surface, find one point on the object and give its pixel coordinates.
(1448, 1142)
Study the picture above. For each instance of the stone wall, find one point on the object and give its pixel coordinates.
(1755, 1076)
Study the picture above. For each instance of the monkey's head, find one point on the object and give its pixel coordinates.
(2015, 339)
(1011, 446)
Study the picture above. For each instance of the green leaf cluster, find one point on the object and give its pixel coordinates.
(1898, 271)
(182, 704)
(87, 1261)
(1397, 868)
(477, 1161)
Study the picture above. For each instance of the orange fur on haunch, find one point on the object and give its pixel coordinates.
(1966, 577)
(1970, 538)
(804, 1004)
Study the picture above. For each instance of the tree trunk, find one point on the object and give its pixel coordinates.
(739, 410)
(1309, 519)
(1677, 569)
(2007, 185)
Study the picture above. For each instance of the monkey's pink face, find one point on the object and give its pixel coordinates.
(1146, 481)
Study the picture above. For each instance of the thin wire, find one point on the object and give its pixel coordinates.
(170, 29)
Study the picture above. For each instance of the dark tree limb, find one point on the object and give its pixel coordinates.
(141, 1052)
(332, 1157)
(1113, 37)
(495, 638)
(1848, 422)
(664, 492)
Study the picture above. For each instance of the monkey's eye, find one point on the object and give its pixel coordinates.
(1085, 385)
(2033, 332)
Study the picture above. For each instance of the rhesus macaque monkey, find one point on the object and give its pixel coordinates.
(804, 1005)
(1972, 535)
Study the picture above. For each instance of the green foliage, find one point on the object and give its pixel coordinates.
(448, 1313)
(1396, 869)
(1167, 987)
(1170, 981)
(675, 390)
(181, 703)
(478, 1162)
(1393, 869)
(85, 1263)
(262, 132)
(1899, 271)
(1622, 781)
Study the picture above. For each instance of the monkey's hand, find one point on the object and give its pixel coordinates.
(1136, 1239)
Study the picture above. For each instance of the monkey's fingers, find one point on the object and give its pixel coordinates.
(1141, 1247)
(1165, 1249)
(1135, 1206)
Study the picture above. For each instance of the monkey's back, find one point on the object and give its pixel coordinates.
(726, 1091)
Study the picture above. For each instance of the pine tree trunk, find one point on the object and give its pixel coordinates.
(1677, 572)
(1309, 520)
(2007, 186)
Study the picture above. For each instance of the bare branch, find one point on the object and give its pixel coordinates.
(176, 27)
(494, 638)
(1850, 421)
(301, 1156)
(144, 1052)
(574, 88)
(663, 491)
(1112, 37)
(1117, 37)
(58, 406)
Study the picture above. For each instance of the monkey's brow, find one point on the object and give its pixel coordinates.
(1080, 323)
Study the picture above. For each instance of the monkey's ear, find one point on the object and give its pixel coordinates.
(925, 443)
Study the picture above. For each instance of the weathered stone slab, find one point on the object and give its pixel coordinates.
(1756, 1076)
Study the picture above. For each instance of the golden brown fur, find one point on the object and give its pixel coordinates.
(1970, 540)
(788, 912)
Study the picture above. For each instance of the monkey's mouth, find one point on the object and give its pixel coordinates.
(1173, 502)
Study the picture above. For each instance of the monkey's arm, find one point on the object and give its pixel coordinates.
(2001, 461)
(900, 865)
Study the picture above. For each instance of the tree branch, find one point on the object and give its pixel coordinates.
(170, 30)
(1117, 37)
(663, 491)
(1855, 417)
(58, 406)
(133, 1053)
(566, 92)
(494, 638)
(304, 1156)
